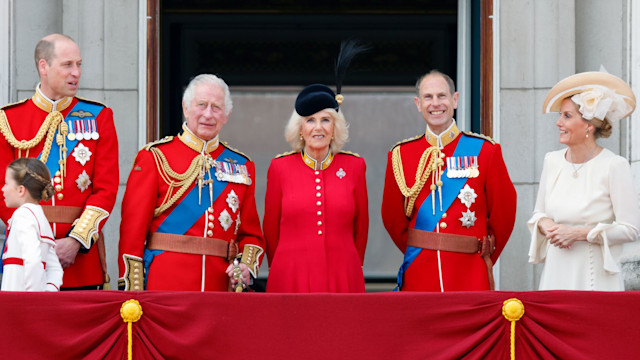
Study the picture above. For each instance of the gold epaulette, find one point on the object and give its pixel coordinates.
(91, 101)
(285, 154)
(235, 150)
(408, 140)
(165, 139)
(14, 104)
(349, 153)
(481, 136)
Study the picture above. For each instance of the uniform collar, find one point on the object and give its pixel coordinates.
(48, 105)
(445, 138)
(313, 164)
(195, 143)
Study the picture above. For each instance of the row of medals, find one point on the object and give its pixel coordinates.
(80, 135)
(462, 167)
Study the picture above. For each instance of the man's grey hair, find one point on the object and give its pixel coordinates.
(208, 79)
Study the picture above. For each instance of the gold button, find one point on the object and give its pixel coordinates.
(58, 187)
(318, 187)
(319, 232)
(317, 172)
(210, 225)
(319, 203)
(318, 194)
(443, 225)
(317, 181)
(60, 196)
(319, 223)
(210, 209)
(444, 215)
(56, 180)
(209, 233)
(211, 218)
(58, 173)
(319, 213)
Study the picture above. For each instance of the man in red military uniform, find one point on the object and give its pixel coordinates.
(77, 140)
(448, 202)
(189, 208)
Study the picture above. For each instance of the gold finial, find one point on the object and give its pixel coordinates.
(339, 99)
(512, 309)
(131, 311)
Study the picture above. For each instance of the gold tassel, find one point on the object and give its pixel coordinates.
(131, 311)
(512, 310)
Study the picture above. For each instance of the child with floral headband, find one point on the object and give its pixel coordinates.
(29, 259)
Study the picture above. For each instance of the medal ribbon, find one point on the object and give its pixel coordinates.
(425, 220)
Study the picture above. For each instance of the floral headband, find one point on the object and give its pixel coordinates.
(601, 103)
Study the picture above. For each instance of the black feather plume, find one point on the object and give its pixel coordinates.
(348, 50)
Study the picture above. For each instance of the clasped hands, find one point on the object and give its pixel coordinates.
(560, 235)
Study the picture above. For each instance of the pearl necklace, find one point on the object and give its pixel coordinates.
(576, 169)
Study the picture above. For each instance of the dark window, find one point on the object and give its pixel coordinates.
(296, 42)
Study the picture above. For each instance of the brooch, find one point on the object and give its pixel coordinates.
(83, 181)
(468, 218)
(467, 195)
(233, 201)
(225, 219)
(340, 173)
(81, 153)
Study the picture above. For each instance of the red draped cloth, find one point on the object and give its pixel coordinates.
(193, 325)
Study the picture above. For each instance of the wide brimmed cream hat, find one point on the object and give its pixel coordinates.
(598, 94)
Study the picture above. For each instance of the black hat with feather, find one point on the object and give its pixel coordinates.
(317, 97)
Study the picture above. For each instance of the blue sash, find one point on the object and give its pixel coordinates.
(425, 220)
(188, 211)
(54, 153)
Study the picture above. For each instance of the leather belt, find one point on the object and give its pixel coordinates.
(192, 245)
(62, 214)
(456, 243)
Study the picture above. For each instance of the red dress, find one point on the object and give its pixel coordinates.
(233, 217)
(494, 208)
(316, 224)
(91, 178)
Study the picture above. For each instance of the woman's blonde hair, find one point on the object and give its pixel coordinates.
(34, 176)
(292, 132)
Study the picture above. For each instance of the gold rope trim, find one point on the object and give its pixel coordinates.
(174, 179)
(48, 127)
(513, 310)
(422, 174)
(131, 311)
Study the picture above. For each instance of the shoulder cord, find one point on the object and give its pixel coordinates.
(174, 179)
(422, 174)
(48, 127)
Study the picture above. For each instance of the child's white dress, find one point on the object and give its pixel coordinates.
(30, 261)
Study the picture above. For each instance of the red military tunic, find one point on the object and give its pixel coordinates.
(316, 224)
(91, 178)
(494, 209)
(232, 217)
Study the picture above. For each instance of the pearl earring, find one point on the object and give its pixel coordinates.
(587, 133)
(301, 138)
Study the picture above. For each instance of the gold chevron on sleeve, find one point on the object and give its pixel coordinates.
(86, 228)
(250, 257)
(133, 277)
